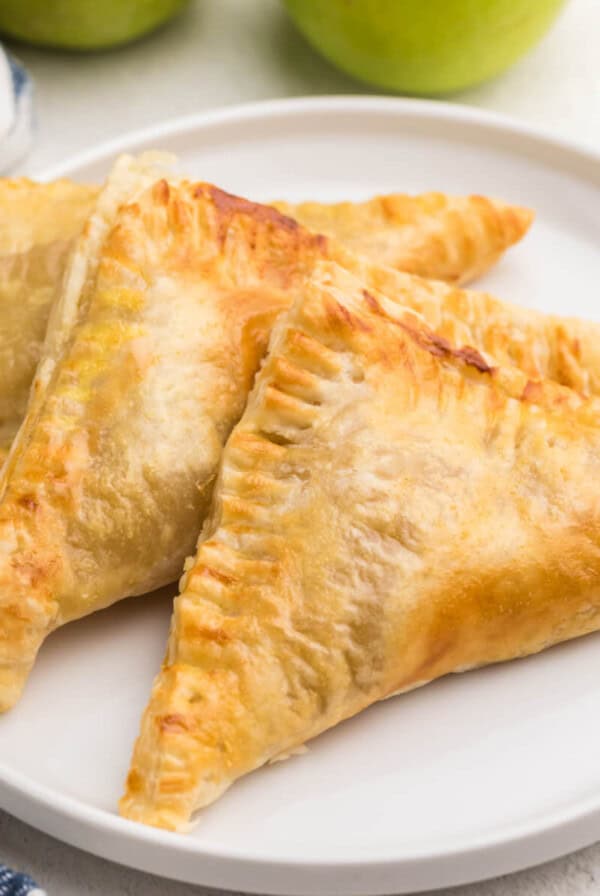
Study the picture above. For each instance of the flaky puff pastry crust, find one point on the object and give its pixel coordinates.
(38, 224)
(152, 347)
(390, 508)
(448, 238)
(57, 496)
(451, 238)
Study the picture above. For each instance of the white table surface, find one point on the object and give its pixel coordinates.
(230, 51)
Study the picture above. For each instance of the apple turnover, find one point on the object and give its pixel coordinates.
(390, 508)
(451, 238)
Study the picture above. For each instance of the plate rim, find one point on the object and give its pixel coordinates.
(297, 106)
(512, 847)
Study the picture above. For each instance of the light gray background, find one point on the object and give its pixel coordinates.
(230, 51)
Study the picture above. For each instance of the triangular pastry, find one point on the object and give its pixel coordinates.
(390, 508)
(451, 238)
(56, 498)
(152, 347)
(446, 237)
(38, 224)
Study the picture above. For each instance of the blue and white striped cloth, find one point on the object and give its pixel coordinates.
(13, 883)
(16, 118)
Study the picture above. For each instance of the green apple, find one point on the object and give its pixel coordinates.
(423, 46)
(83, 24)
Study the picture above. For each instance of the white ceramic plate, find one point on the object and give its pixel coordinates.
(475, 775)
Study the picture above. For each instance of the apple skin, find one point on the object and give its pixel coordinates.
(423, 47)
(83, 24)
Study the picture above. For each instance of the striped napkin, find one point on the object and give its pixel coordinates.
(13, 883)
(15, 111)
